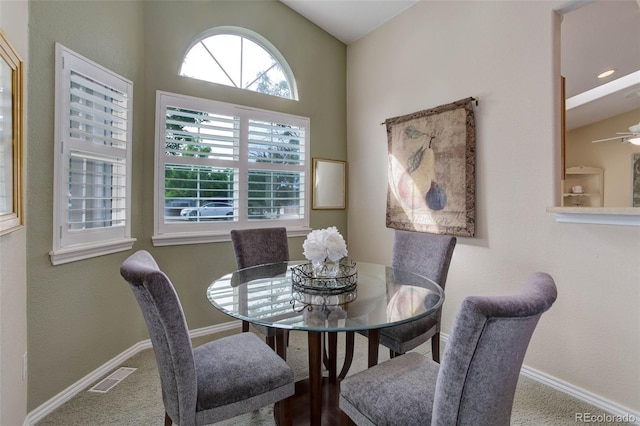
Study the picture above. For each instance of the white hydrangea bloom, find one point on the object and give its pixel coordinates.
(313, 246)
(324, 244)
(336, 247)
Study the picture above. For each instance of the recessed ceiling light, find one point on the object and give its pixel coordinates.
(606, 73)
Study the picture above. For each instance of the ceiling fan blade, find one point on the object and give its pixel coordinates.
(609, 139)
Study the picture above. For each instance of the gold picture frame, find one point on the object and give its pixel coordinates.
(329, 184)
(635, 179)
(11, 138)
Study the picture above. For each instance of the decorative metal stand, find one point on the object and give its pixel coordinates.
(324, 291)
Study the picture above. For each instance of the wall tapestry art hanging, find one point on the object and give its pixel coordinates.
(636, 180)
(431, 171)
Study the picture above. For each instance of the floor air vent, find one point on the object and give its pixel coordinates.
(113, 379)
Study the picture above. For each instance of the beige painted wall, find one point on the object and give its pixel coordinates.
(13, 272)
(82, 314)
(612, 156)
(79, 314)
(503, 53)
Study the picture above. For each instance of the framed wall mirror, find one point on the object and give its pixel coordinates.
(11, 184)
(600, 107)
(329, 184)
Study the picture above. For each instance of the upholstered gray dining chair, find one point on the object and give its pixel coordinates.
(216, 381)
(256, 247)
(474, 385)
(428, 255)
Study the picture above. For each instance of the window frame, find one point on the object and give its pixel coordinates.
(214, 231)
(73, 245)
(12, 146)
(255, 38)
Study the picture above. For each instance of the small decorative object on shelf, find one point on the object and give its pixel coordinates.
(583, 186)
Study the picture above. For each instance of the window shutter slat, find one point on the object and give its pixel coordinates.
(89, 83)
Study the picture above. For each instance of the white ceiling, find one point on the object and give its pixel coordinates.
(348, 20)
(600, 35)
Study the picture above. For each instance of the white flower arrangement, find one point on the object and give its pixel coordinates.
(325, 244)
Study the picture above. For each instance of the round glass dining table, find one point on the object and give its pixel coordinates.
(269, 295)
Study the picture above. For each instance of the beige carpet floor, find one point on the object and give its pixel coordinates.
(137, 399)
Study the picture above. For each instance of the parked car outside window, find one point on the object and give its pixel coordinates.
(215, 210)
(174, 207)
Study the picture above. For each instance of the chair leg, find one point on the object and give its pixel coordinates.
(435, 347)
(167, 419)
(271, 341)
(282, 341)
(393, 354)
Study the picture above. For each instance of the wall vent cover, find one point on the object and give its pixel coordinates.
(106, 384)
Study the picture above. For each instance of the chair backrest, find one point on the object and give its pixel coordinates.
(259, 246)
(481, 363)
(169, 334)
(425, 254)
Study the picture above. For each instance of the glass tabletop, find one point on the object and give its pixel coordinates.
(383, 296)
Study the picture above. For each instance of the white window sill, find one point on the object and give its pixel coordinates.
(625, 216)
(212, 237)
(86, 251)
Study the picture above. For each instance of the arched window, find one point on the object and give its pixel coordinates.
(239, 58)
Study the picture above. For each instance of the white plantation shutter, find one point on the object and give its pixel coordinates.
(222, 166)
(93, 157)
(276, 143)
(276, 157)
(98, 113)
(197, 133)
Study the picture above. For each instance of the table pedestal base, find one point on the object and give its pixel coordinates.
(330, 409)
(316, 399)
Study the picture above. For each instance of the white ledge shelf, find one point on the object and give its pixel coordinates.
(625, 216)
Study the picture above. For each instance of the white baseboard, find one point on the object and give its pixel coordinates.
(51, 405)
(625, 414)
